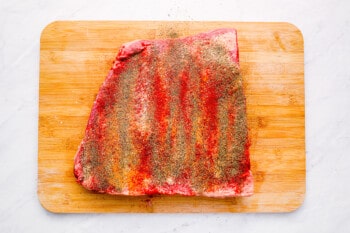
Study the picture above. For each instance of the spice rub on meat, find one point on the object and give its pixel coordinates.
(170, 118)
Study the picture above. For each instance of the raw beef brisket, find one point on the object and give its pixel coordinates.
(170, 118)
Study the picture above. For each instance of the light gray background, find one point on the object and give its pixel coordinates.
(326, 28)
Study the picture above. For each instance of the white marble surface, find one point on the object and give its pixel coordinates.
(325, 25)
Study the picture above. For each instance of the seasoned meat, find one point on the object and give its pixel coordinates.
(170, 118)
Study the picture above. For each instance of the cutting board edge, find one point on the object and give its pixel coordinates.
(160, 22)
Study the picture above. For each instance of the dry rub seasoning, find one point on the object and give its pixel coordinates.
(170, 118)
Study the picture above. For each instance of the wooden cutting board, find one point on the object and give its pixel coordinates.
(75, 57)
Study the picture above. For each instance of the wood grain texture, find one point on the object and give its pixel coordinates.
(75, 57)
